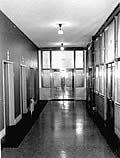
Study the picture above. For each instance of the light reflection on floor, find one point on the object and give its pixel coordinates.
(58, 93)
(63, 154)
(64, 130)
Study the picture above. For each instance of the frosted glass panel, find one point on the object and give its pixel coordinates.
(46, 59)
(97, 78)
(119, 35)
(97, 51)
(101, 80)
(113, 81)
(110, 55)
(109, 88)
(56, 79)
(62, 59)
(68, 79)
(106, 45)
(68, 59)
(79, 59)
(79, 78)
(46, 78)
(102, 49)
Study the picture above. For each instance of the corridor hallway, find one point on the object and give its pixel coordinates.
(63, 130)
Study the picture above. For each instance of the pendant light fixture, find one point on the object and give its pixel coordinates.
(60, 31)
(62, 47)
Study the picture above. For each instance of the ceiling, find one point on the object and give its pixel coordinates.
(39, 19)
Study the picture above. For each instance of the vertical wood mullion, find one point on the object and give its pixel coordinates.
(74, 70)
(41, 69)
(50, 68)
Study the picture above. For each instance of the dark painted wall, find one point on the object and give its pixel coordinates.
(19, 46)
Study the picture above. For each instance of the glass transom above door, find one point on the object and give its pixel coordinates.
(62, 59)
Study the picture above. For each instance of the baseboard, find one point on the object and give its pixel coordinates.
(2, 133)
(18, 119)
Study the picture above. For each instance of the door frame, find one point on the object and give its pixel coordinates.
(12, 110)
(21, 105)
(110, 98)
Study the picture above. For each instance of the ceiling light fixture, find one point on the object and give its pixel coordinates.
(62, 47)
(60, 31)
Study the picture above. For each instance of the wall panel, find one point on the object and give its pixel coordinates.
(21, 51)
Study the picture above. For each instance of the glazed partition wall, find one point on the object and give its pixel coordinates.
(62, 72)
(117, 78)
(105, 57)
(90, 82)
(104, 77)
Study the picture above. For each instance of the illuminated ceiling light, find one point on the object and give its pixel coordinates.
(60, 31)
(62, 47)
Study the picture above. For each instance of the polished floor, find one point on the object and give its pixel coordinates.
(62, 94)
(63, 130)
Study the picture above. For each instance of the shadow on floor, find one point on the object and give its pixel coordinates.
(16, 134)
(107, 131)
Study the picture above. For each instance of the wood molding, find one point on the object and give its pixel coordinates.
(2, 133)
(58, 48)
(18, 119)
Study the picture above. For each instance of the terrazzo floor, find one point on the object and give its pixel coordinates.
(63, 130)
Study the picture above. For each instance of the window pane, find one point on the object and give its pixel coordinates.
(111, 42)
(89, 58)
(102, 48)
(113, 81)
(97, 78)
(46, 78)
(109, 88)
(56, 79)
(106, 45)
(97, 51)
(62, 59)
(68, 79)
(79, 78)
(68, 59)
(118, 35)
(118, 83)
(101, 80)
(46, 59)
(79, 59)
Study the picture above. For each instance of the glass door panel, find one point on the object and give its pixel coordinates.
(79, 78)
(118, 55)
(68, 79)
(110, 100)
(56, 79)
(46, 78)
(109, 84)
(62, 84)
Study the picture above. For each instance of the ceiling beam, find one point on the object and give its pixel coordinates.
(65, 48)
